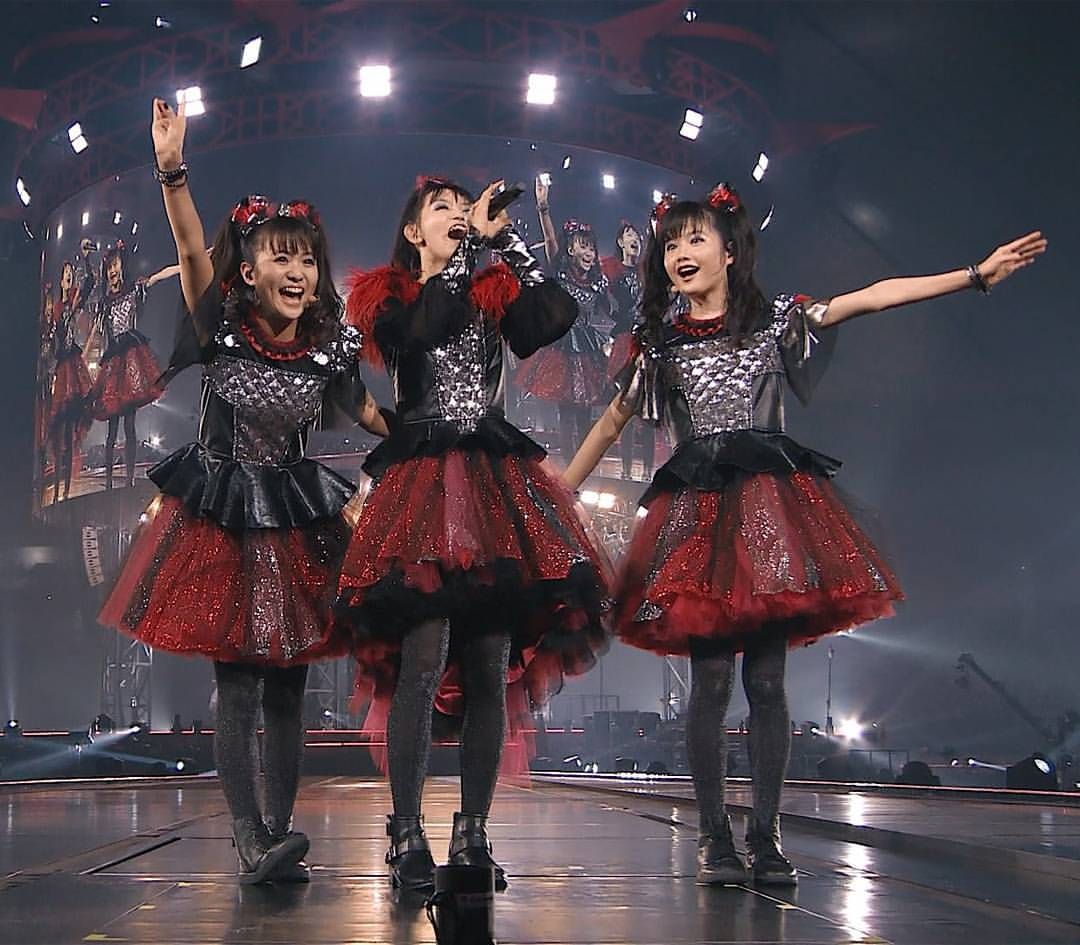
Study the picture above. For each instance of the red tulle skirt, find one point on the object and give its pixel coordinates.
(127, 381)
(492, 543)
(565, 377)
(769, 548)
(254, 596)
(71, 387)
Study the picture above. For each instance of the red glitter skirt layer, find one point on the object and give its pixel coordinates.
(767, 548)
(259, 595)
(128, 378)
(565, 377)
(491, 543)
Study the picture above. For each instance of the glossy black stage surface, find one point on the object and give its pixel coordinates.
(590, 861)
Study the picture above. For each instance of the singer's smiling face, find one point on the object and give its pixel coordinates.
(443, 222)
(582, 252)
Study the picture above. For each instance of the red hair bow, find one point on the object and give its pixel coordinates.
(422, 181)
(666, 202)
(573, 227)
(255, 209)
(723, 196)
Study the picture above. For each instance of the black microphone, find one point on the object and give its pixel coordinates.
(503, 199)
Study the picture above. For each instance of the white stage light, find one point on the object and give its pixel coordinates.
(77, 138)
(374, 81)
(192, 100)
(606, 501)
(657, 196)
(21, 190)
(541, 89)
(134, 227)
(590, 497)
(59, 232)
(609, 181)
(566, 163)
(692, 122)
(250, 55)
(86, 218)
(850, 729)
(117, 217)
(768, 218)
(761, 167)
(161, 23)
(690, 15)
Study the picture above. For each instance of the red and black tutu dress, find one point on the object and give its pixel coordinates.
(743, 530)
(573, 369)
(69, 406)
(464, 522)
(129, 374)
(238, 558)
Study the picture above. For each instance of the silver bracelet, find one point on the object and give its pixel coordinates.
(977, 280)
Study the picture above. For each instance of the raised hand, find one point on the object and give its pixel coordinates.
(478, 216)
(542, 192)
(167, 128)
(1006, 259)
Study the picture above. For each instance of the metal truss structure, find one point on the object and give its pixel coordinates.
(458, 69)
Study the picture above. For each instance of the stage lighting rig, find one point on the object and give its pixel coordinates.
(761, 167)
(251, 53)
(608, 181)
(23, 192)
(692, 124)
(77, 139)
(374, 81)
(192, 100)
(541, 90)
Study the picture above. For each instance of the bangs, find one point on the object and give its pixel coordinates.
(685, 215)
(289, 235)
(587, 239)
(433, 192)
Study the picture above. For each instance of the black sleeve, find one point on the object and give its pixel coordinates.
(806, 346)
(194, 338)
(540, 315)
(435, 316)
(344, 398)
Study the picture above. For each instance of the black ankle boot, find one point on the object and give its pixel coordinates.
(260, 856)
(718, 863)
(767, 861)
(298, 872)
(469, 846)
(409, 856)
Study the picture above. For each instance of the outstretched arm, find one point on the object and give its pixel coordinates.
(167, 273)
(891, 293)
(196, 270)
(605, 431)
(551, 240)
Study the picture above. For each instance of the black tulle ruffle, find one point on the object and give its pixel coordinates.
(245, 495)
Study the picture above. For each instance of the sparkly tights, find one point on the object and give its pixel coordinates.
(129, 448)
(236, 745)
(483, 660)
(713, 674)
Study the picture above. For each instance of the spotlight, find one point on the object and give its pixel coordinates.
(180, 765)
(26, 229)
(761, 167)
(657, 196)
(690, 15)
(95, 19)
(545, 179)
(541, 89)
(155, 441)
(59, 232)
(605, 501)
(609, 181)
(116, 218)
(21, 190)
(692, 122)
(134, 227)
(1035, 773)
(86, 218)
(13, 728)
(566, 163)
(192, 100)
(250, 55)
(589, 497)
(77, 138)
(642, 511)
(768, 218)
(374, 81)
(850, 729)
(161, 23)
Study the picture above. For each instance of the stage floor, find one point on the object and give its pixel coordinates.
(596, 862)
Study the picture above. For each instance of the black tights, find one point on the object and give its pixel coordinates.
(713, 673)
(130, 443)
(574, 423)
(483, 660)
(236, 745)
(63, 455)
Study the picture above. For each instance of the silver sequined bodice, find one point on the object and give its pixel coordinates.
(121, 313)
(459, 365)
(727, 384)
(271, 407)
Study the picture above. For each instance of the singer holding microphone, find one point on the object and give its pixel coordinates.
(468, 568)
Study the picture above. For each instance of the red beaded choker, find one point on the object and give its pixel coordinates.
(293, 350)
(700, 327)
